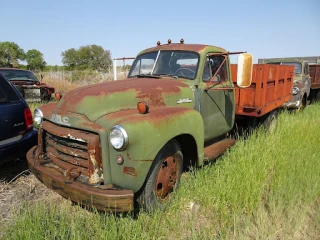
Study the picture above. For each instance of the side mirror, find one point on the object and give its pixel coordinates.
(244, 74)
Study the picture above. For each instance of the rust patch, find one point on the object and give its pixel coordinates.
(47, 109)
(113, 200)
(130, 171)
(73, 150)
(147, 89)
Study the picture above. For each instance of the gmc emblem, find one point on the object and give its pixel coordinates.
(60, 120)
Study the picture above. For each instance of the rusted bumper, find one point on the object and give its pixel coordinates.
(294, 102)
(109, 200)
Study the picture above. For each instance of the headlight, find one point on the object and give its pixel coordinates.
(119, 137)
(37, 115)
(295, 90)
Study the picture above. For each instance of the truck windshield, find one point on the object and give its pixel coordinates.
(21, 75)
(297, 66)
(178, 64)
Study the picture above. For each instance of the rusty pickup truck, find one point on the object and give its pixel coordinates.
(111, 145)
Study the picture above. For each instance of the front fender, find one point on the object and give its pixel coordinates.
(48, 108)
(148, 133)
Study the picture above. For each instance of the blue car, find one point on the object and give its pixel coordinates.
(17, 134)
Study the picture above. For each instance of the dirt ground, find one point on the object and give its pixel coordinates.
(19, 186)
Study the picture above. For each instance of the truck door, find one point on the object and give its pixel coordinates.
(217, 97)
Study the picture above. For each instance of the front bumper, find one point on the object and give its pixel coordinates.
(294, 104)
(109, 200)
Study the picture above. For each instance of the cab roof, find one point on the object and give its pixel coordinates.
(184, 47)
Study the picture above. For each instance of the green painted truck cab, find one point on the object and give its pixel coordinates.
(301, 83)
(100, 144)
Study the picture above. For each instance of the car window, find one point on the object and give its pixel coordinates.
(297, 66)
(213, 63)
(13, 74)
(7, 93)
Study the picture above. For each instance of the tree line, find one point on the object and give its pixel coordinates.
(89, 57)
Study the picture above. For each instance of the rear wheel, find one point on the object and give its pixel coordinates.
(270, 122)
(317, 96)
(163, 178)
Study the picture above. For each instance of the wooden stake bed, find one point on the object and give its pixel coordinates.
(271, 87)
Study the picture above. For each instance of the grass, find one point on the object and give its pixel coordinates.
(67, 80)
(265, 187)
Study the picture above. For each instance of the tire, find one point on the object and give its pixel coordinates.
(270, 122)
(317, 96)
(303, 104)
(163, 178)
(45, 97)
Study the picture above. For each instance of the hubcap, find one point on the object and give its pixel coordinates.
(166, 178)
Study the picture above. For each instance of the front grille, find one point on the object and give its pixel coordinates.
(66, 150)
(76, 152)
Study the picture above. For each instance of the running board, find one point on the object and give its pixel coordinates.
(217, 149)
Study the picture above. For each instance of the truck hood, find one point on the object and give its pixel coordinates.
(101, 99)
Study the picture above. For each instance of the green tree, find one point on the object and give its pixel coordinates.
(35, 60)
(87, 57)
(10, 54)
(70, 58)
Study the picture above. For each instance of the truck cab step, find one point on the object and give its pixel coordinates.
(215, 150)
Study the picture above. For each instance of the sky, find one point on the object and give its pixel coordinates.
(272, 28)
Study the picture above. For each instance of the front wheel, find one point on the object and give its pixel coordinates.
(163, 178)
(302, 105)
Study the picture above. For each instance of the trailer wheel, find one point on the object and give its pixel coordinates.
(163, 178)
(270, 122)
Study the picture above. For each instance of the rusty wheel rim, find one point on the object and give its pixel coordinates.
(166, 178)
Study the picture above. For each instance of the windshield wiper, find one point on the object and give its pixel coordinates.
(166, 75)
(145, 76)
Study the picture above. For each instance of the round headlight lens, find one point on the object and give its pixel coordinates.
(295, 90)
(37, 116)
(119, 137)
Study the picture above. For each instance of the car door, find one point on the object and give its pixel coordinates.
(11, 113)
(217, 96)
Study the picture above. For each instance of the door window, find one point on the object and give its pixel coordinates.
(212, 65)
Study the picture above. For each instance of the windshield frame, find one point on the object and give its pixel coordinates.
(158, 52)
(7, 72)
